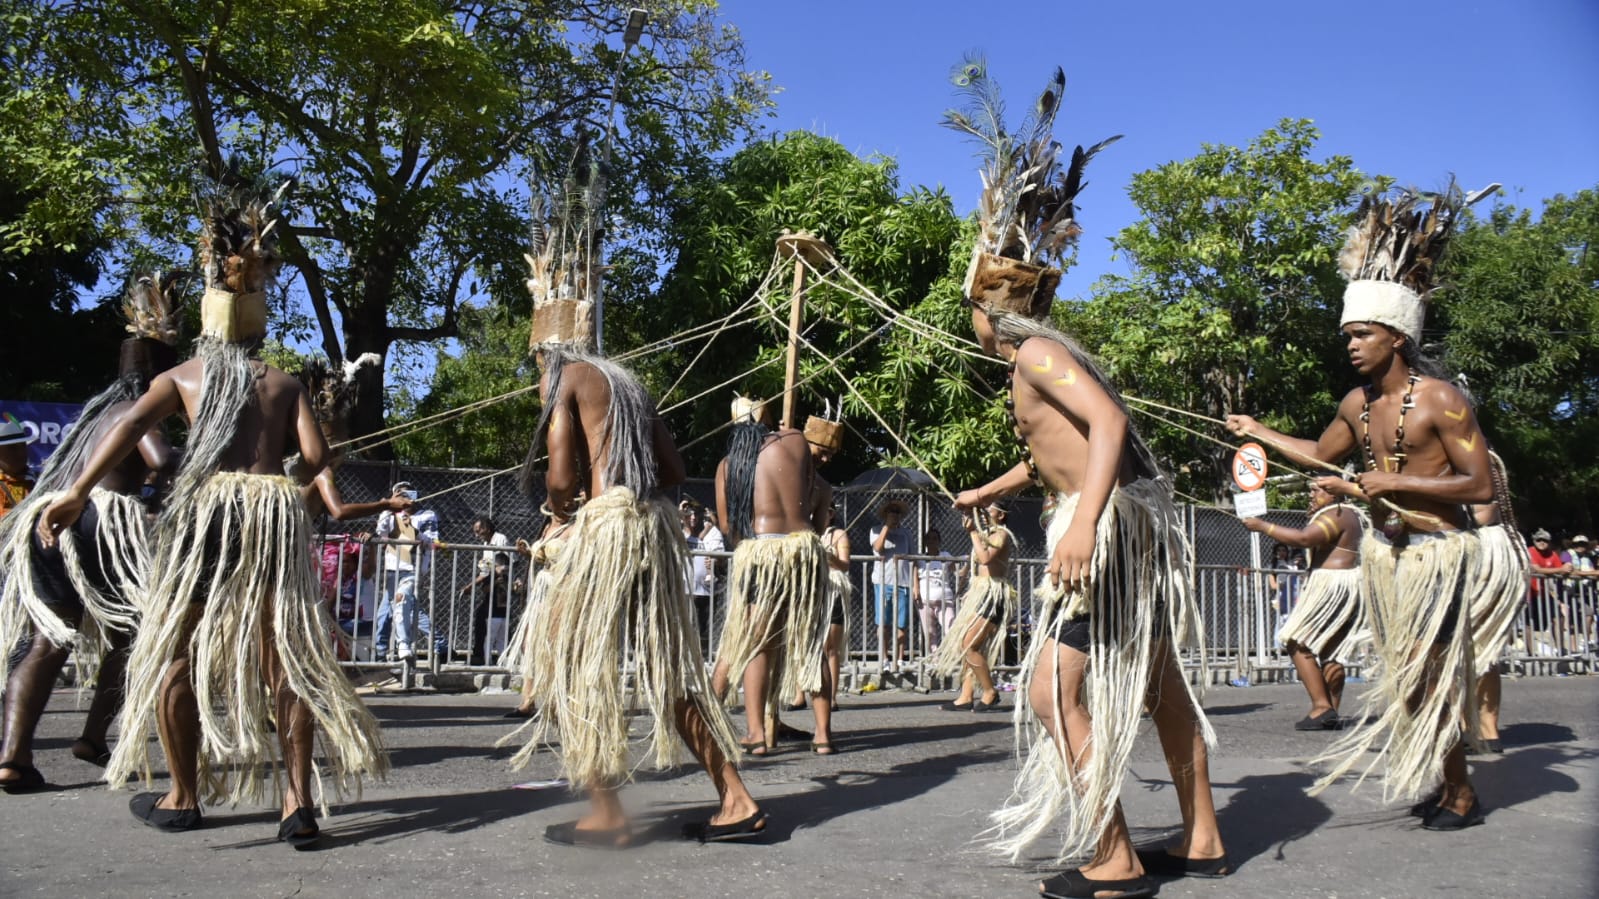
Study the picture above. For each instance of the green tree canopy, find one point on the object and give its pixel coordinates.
(409, 124)
(1232, 301)
(1519, 317)
(903, 247)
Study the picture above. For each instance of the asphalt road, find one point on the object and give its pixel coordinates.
(894, 814)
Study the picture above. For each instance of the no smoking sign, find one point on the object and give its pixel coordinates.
(1249, 467)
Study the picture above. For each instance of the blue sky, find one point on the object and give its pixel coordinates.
(1491, 91)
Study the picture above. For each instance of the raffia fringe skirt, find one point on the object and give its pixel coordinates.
(615, 585)
(232, 578)
(1140, 570)
(1330, 618)
(986, 599)
(839, 591)
(777, 598)
(1422, 635)
(111, 596)
(518, 655)
(1497, 591)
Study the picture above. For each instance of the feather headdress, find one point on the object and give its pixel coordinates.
(565, 267)
(1027, 212)
(1392, 252)
(239, 257)
(151, 306)
(332, 388)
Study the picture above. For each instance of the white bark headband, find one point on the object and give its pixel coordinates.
(1386, 303)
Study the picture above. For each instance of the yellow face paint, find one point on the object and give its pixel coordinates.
(1456, 416)
(1046, 365)
(1067, 379)
(1326, 528)
(1467, 445)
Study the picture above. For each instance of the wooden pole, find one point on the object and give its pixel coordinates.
(791, 373)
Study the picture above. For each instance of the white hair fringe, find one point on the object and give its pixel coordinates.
(777, 599)
(617, 584)
(1415, 593)
(231, 575)
(1140, 562)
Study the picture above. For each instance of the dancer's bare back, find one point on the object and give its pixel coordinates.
(280, 409)
(784, 497)
(575, 439)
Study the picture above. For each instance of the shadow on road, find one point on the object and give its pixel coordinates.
(1534, 732)
(1268, 812)
(382, 820)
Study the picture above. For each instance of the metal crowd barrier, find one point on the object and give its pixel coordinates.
(474, 595)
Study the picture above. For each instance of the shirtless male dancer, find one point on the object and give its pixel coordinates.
(1329, 622)
(777, 587)
(88, 594)
(623, 557)
(232, 557)
(977, 635)
(1118, 560)
(1424, 453)
(1117, 601)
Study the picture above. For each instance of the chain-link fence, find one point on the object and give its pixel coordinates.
(473, 595)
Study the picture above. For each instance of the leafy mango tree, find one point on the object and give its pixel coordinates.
(1519, 317)
(1232, 301)
(409, 124)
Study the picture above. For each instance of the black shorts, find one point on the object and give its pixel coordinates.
(50, 580)
(1073, 632)
(994, 614)
(836, 616)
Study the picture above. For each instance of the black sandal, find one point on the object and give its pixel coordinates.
(1449, 819)
(171, 820)
(28, 779)
(953, 706)
(1073, 885)
(1158, 862)
(96, 754)
(1424, 808)
(748, 829)
(290, 829)
(822, 748)
(518, 713)
(1327, 720)
(756, 748)
(569, 834)
(998, 705)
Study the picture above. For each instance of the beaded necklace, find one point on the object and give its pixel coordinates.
(1015, 426)
(1393, 522)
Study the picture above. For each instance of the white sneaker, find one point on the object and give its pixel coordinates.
(407, 654)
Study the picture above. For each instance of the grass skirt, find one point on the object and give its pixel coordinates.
(839, 591)
(777, 598)
(1140, 570)
(231, 570)
(1330, 618)
(985, 599)
(1416, 593)
(111, 596)
(1497, 591)
(518, 655)
(617, 583)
